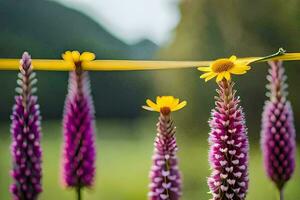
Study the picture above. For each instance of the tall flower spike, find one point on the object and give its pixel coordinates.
(26, 135)
(228, 154)
(165, 175)
(278, 132)
(79, 153)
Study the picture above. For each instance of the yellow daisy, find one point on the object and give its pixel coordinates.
(164, 104)
(223, 68)
(77, 58)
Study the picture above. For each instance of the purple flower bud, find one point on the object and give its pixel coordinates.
(165, 176)
(79, 153)
(228, 154)
(278, 132)
(26, 135)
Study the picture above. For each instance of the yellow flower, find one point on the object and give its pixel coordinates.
(223, 68)
(164, 104)
(77, 58)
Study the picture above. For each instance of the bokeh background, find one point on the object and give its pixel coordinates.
(143, 29)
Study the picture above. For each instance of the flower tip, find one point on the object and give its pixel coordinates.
(76, 56)
(26, 55)
(281, 51)
(164, 104)
(25, 62)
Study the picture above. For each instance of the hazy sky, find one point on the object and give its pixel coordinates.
(132, 20)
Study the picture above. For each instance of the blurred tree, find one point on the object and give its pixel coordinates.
(211, 28)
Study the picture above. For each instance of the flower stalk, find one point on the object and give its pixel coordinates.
(228, 154)
(79, 155)
(78, 189)
(278, 132)
(26, 136)
(281, 194)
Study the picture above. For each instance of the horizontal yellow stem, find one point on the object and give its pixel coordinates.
(38, 64)
(52, 65)
(287, 57)
(284, 57)
(9, 64)
(102, 65)
(122, 65)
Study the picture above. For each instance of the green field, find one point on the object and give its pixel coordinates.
(123, 163)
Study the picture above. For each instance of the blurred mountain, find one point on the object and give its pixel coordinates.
(46, 29)
(144, 48)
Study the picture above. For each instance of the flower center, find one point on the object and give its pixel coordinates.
(222, 65)
(165, 110)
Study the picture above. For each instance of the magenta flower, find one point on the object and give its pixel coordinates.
(278, 132)
(165, 176)
(79, 153)
(26, 135)
(228, 154)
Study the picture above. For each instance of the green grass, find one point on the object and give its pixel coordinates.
(123, 163)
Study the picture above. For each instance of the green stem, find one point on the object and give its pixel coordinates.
(280, 52)
(78, 192)
(281, 196)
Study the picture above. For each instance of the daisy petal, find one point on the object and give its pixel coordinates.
(237, 72)
(210, 77)
(168, 101)
(220, 77)
(76, 56)
(152, 105)
(147, 108)
(67, 56)
(174, 103)
(239, 69)
(232, 58)
(206, 74)
(158, 100)
(245, 67)
(227, 76)
(179, 106)
(87, 56)
(204, 69)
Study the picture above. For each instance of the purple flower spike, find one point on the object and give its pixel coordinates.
(165, 175)
(79, 153)
(228, 154)
(278, 132)
(26, 135)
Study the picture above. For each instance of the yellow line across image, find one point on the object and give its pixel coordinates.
(127, 65)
